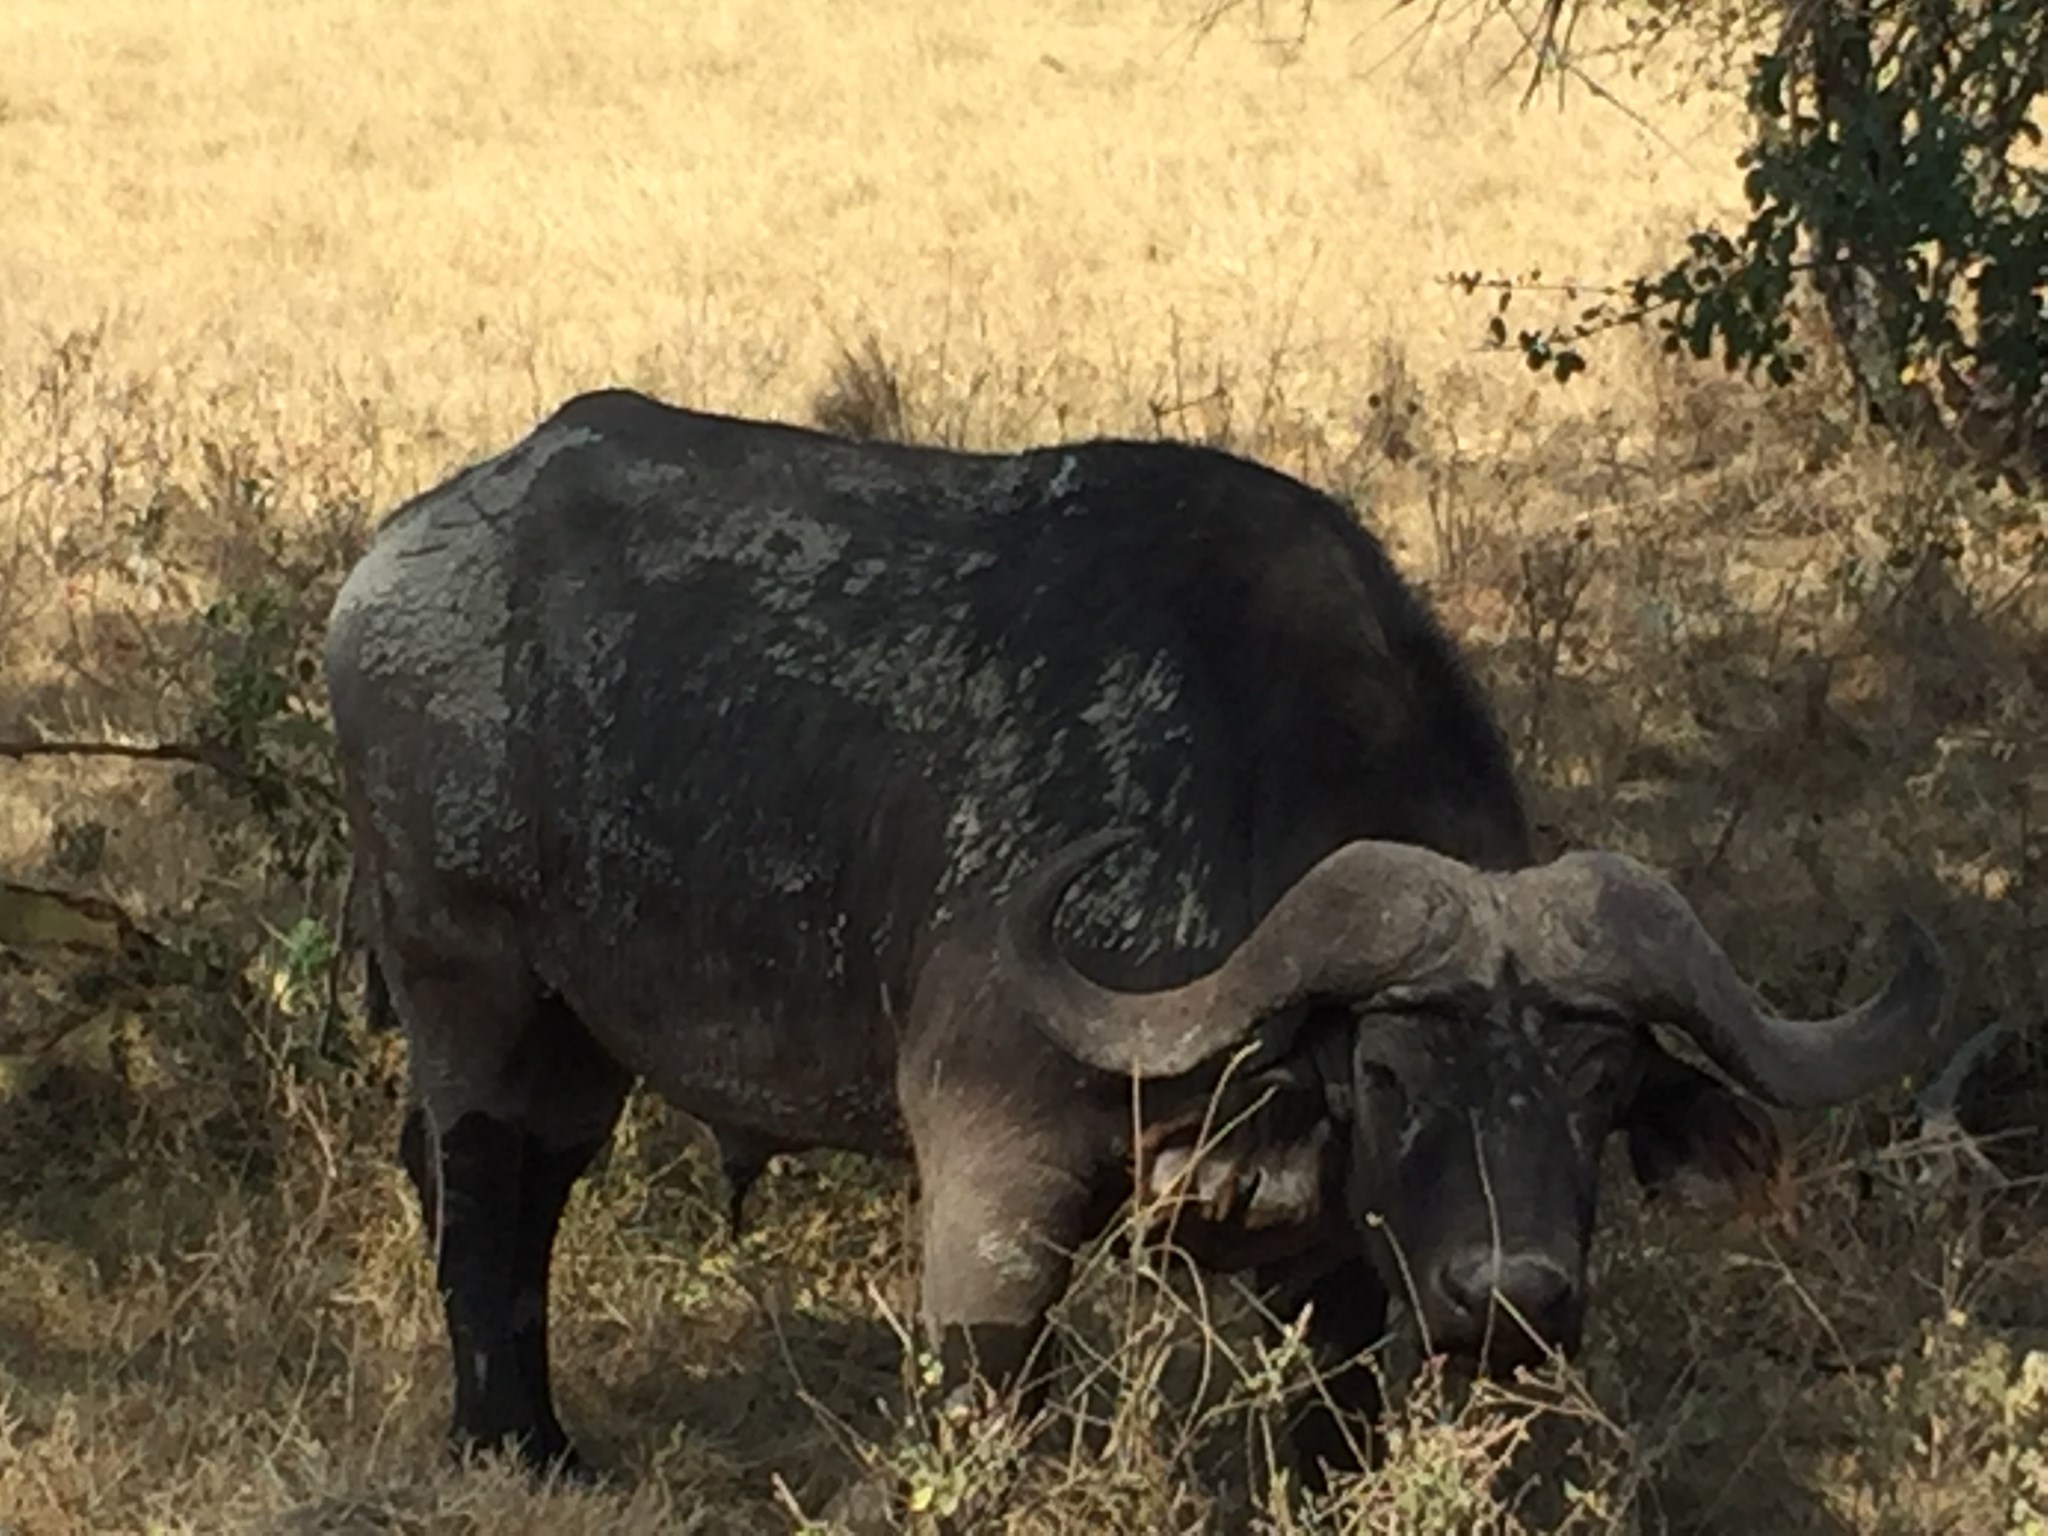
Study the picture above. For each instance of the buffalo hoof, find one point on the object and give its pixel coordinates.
(568, 1468)
(545, 1458)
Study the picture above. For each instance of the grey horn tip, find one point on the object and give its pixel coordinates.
(1922, 966)
(1031, 907)
(1910, 935)
(1095, 844)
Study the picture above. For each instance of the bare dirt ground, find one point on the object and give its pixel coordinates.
(267, 269)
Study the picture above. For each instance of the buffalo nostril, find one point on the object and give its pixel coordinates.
(1527, 1285)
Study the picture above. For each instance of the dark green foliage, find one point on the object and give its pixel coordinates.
(1888, 170)
(266, 718)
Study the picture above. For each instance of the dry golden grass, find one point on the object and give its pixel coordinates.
(267, 268)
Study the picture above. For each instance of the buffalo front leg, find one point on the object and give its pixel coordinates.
(514, 1100)
(1003, 1206)
(1348, 1315)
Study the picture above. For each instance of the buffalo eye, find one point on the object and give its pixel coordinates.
(1601, 1075)
(1377, 1078)
(1393, 1059)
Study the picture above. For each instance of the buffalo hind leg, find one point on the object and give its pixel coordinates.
(548, 1173)
(518, 1103)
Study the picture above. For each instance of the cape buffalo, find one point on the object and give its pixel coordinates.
(921, 802)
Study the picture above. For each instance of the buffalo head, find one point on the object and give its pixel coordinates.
(1495, 1031)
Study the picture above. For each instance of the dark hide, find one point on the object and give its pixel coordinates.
(679, 747)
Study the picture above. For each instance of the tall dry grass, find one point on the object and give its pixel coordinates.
(266, 269)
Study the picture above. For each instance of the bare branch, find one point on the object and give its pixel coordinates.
(160, 751)
(1937, 1100)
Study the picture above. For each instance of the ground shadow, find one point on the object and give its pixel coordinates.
(1796, 785)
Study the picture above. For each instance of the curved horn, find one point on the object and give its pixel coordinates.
(1602, 924)
(1369, 916)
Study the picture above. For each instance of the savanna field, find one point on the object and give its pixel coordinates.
(265, 270)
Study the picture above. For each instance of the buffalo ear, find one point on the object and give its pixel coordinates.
(1704, 1145)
